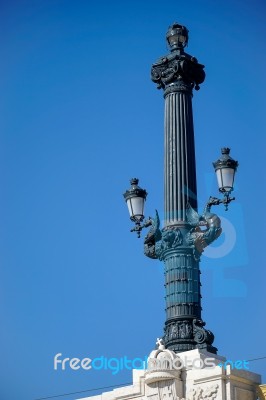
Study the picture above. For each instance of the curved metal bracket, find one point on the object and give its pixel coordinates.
(198, 237)
(153, 236)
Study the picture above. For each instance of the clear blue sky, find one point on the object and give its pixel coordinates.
(80, 117)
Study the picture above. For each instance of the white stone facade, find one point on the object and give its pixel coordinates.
(186, 376)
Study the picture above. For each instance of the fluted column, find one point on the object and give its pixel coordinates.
(179, 169)
(177, 74)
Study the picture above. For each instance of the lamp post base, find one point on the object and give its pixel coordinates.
(188, 334)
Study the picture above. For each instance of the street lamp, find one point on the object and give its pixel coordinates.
(135, 198)
(181, 241)
(225, 168)
(177, 36)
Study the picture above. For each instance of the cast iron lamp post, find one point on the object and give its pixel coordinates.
(135, 198)
(225, 168)
(180, 243)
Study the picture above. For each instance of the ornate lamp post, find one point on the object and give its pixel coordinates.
(180, 243)
(135, 198)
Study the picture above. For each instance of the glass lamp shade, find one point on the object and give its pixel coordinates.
(135, 198)
(225, 168)
(176, 39)
(225, 179)
(136, 208)
(177, 36)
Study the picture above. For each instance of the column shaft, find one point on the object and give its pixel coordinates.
(179, 169)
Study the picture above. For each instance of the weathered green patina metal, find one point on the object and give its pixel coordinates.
(181, 241)
(185, 234)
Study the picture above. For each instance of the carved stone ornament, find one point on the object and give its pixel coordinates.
(208, 393)
(165, 390)
(162, 378)
(162, 364)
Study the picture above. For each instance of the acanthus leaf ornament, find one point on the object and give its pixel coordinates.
(178, 67)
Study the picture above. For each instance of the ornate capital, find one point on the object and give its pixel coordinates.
(177, 71)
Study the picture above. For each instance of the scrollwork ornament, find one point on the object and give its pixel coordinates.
(177, 67)
(202, 335)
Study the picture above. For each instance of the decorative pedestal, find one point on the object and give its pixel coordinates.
(186, 380)
(220, 383)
